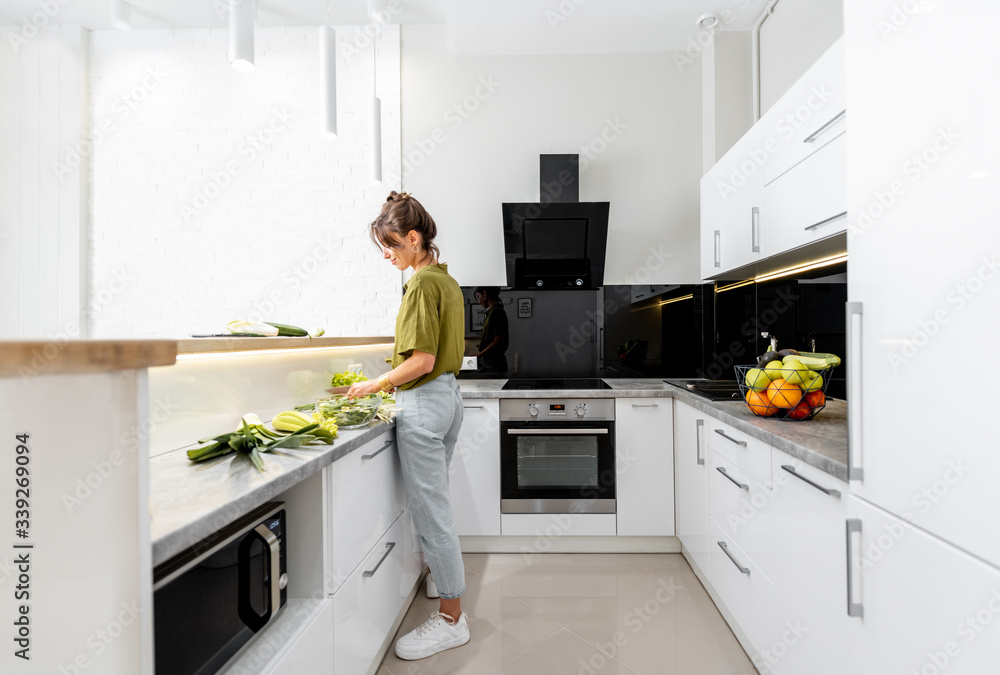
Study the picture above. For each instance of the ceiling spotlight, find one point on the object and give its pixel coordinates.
(121, 15)
(710, 21)
(241, 34)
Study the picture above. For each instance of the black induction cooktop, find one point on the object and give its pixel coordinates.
(526, 384)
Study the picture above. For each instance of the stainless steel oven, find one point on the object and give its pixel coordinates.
(211, 599)
(557, 455)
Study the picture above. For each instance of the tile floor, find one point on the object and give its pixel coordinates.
(581, 614)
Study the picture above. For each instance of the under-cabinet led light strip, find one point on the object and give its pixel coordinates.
(261, 352)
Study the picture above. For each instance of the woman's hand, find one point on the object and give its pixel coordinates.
(363, 388)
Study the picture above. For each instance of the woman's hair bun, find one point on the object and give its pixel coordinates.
(397, 196)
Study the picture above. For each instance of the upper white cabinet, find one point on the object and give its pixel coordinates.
(923, 158)
(474, 474)
(811, 114)
(712, 217)
(691, 480)
(644, 463)
(742, 191)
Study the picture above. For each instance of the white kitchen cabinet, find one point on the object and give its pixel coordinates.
(308, 650)
(363, 496)
(712, 221)
(474, 474)
(809, 202)
(367, 604)
(644, 466)
(742, 232)
(923, 156)
(691, 481)
(927, 606)
(812, 113)
(805, 526)
(746, 452)
(738, 503)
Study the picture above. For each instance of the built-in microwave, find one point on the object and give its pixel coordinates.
(211, 599)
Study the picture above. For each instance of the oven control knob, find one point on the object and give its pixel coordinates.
(581, 410)
(533, 409)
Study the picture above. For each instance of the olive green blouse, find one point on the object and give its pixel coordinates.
(431, 319)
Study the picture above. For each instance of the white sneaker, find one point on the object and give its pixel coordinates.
(432, 589)
(435, 635)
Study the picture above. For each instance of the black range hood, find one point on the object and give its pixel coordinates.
(558, 242)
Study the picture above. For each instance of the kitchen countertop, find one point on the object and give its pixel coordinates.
(820, 442)
(190, 500)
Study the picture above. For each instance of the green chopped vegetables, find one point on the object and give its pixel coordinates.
(347, 378)
(348, 412)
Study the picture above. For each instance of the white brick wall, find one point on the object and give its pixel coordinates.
(213, 196)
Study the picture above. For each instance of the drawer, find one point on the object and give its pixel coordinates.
(810, 201)
(811, 114)
(748, 453)
(309, 650)
(365, 607)
(744, 508)
(363, 493)
(746, 593)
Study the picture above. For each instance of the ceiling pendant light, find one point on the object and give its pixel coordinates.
(375, 121)
(328, 78)
(121, 15)
(241, 14)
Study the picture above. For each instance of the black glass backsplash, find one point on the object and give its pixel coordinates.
(700, 330)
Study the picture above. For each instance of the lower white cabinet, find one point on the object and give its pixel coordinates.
(474, 474)
(309, 650)
(691, 481)
(746, 592)
(644, 466)
(922, 605)
(367, 603)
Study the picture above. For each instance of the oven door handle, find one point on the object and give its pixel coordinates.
(560, 432)
(272, 551)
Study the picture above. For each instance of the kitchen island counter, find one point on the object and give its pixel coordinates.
(820, 442)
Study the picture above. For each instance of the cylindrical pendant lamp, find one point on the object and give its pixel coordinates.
(121, 15)
(328, 81)
(241, 35)
(375, 140)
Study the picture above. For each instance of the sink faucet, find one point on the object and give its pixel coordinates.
(773, 339)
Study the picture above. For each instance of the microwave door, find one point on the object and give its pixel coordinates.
(259, 578)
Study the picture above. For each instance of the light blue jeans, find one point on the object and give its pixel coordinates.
(427, 426)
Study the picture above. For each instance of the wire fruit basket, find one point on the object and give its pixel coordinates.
(784, 394)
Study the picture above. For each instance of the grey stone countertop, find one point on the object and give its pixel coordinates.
(820, 442)
(189, 501)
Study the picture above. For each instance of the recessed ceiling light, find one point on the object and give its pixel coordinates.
(709, 21)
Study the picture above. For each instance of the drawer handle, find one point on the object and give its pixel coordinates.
(816, 134)
(698, 426)
(725, 549)
(718, 245)
(824, 222)
(791, 469)
(722, 433)
(377, 452)
(755, 229)
(742, 486)
(854, 609)
(388, 549)
(473, 407)
(645, 405)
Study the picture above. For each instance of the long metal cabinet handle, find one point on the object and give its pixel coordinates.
(825, 221)
(854, 609)
(377, 452)
(742, 486)
(791, 469)
(473, 407)
(755, 229)
(816, 134)
(563, 432)
(725, 549)
(388, 550)
(730, 438)
(645, 405)
(854, 361)
(698, 426)
(718, 245)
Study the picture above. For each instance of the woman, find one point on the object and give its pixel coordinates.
(430, 340)
(496, 331)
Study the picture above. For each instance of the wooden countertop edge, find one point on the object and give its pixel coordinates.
(221, 345)
(53, 357)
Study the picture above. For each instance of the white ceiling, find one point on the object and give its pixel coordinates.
(476, 26)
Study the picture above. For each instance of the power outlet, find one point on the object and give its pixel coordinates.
(469, 363)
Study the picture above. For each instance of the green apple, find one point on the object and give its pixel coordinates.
(757, 379)
(794, 370)
(814, 383)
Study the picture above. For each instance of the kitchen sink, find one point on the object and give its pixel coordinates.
(713, 390)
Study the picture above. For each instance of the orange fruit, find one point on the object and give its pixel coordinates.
(815, 399)
(784, 394)
(759, 404)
